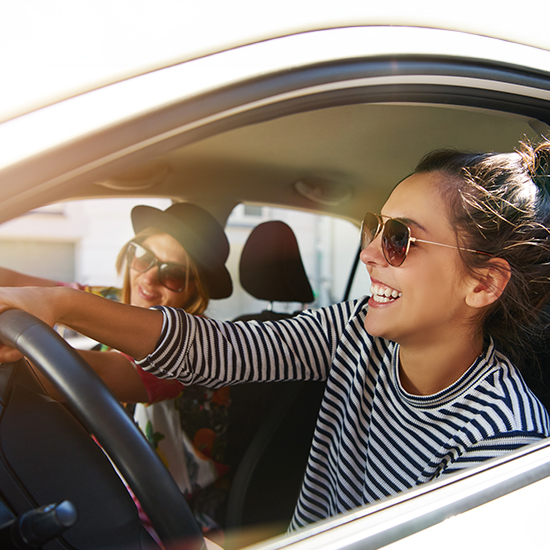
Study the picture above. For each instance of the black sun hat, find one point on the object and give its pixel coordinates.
(200, 234)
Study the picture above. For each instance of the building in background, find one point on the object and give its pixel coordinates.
(80, 241)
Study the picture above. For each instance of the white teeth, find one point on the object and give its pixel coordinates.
(146, 293)
(384, 294)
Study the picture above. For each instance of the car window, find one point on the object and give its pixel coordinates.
(80, 240)
(328, 246)
(86, 237)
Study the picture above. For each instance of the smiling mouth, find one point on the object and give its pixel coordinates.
(384, 294)
(146, 294)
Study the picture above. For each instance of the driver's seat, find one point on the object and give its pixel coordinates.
(47, 457)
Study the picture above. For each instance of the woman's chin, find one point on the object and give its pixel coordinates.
(374, 325)
(141, 302)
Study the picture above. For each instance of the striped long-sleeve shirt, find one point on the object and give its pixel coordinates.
(372, 439)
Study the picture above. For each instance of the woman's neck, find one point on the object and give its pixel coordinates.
(428, 369)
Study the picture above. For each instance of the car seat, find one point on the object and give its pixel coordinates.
(268, 449)
(271, 269)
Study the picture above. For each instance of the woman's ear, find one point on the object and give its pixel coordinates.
(489, 284)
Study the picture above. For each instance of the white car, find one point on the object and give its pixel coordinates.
(313, 107)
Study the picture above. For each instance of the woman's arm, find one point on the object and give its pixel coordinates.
(132, 330)
(8, 277)
(195, 350)
(119, 374)
(128, 382)
(116, 371)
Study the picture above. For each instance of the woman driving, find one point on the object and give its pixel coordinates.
(422, 375)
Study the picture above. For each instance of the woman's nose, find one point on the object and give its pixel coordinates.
(151, 275)
(372, 253)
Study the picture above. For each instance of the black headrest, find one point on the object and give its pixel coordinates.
(271, 267)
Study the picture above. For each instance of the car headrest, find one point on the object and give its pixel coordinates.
(271, 267)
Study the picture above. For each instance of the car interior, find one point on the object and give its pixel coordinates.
(269, 450)
(66, 464)
(337, 153)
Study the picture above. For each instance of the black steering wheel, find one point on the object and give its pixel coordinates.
(101, 414)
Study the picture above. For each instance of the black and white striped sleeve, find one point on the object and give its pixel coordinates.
(214, 353)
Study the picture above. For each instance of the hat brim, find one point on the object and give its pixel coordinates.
(199, 234)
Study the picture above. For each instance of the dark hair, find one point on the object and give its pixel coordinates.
(498, 204)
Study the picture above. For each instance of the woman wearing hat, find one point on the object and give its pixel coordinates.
(177, 259)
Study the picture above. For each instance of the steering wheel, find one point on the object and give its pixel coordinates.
(101, 414)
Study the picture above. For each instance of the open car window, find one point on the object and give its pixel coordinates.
(78, 241)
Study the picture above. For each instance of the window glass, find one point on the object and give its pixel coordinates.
(71, 241)
(56, 260)
(80, 240)
(328, 247)
(251, 210)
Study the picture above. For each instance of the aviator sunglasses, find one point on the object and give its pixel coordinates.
(396, 238)
(171, 275)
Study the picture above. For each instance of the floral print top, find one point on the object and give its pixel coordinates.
(187, 426)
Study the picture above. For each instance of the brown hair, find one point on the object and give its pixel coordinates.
(196, 296)
(498, 204)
